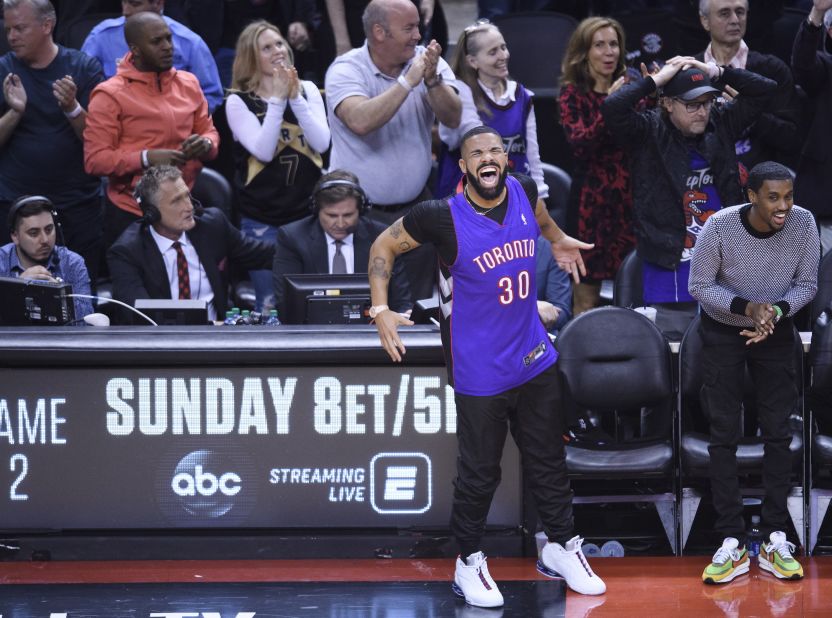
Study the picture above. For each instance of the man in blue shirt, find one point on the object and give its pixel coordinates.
(46, 90)
(32, 254)
(190, 53)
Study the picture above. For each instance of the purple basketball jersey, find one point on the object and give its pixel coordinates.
(497, 340)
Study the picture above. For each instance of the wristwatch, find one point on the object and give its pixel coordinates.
(375, 310)
(437, 82)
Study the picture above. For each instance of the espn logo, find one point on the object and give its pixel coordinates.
(400, 483)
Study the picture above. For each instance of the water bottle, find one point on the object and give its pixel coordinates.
(612, 549)
(245, 318)
(591, 550)
(755, 538)
(230, 318)
(273, 320)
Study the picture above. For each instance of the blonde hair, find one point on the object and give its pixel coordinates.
(245, 74)
(467, 45)
(575, 66)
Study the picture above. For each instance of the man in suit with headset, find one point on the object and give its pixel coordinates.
(335, 238)
(177, 250)
(32, 254)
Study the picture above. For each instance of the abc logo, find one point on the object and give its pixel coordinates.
(205, 483)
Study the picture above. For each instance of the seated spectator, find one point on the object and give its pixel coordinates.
(382, 100)
(46, 89)
(32, 254)
(554, 289)
(190, 53)
(275, 119)
(600, 199)
(774, 136)
(177, 250)
(683, 163)
(334, 239)
(812, 69)
(148, 114)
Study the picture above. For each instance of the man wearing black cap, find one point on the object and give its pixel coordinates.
(683, 162)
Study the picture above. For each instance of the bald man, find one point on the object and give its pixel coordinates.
(148, 114)
(382, 100)
(190, 53)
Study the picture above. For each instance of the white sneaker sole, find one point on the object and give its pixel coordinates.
(741, 570)
(544, 570)
(767, 566)
(458, 592)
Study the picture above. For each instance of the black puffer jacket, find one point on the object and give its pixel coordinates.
(659, 159)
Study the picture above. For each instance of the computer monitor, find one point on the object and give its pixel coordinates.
(327, 299)
(165, 311)
(31, 302)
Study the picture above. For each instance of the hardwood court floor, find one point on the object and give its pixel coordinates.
(636, 586)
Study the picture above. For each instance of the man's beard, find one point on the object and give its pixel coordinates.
(488, 193)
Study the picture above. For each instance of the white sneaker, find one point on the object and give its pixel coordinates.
(473, 582)
(570, 564)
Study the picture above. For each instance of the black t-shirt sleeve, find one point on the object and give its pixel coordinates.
(431, 222)
(529, 186)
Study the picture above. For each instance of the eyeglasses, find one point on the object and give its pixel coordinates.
(695, 106)
(480, 24)
(477, 24)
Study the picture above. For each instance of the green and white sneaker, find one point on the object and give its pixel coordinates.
(729, 562)
(776, 557)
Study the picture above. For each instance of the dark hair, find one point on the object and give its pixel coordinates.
(337, 193)
(478, 131)
(767, 170)
(27, 206)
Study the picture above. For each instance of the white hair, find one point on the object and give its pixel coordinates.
(43, 8)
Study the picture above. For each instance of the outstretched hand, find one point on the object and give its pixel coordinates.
(387, 323)
(567, 253)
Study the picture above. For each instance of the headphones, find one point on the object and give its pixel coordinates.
(19, 203)
(150, 212)
(363, 201)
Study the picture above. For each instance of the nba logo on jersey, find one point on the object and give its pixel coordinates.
(523, 216)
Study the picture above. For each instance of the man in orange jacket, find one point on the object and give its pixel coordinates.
(148, 114)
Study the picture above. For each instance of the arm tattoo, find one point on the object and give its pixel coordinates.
(405, 246)
(379, 268)
(396, 229)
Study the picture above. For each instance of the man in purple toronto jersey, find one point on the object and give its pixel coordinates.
(500, 360)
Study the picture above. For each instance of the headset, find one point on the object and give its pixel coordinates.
(150, 212)
(363, 201)
(14, 213)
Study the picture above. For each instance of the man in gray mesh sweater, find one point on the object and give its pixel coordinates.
(754, 266)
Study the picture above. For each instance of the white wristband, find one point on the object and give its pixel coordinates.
(74, 113)
(145, 161)
(403, 83)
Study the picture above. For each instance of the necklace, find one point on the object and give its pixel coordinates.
(474, 206)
